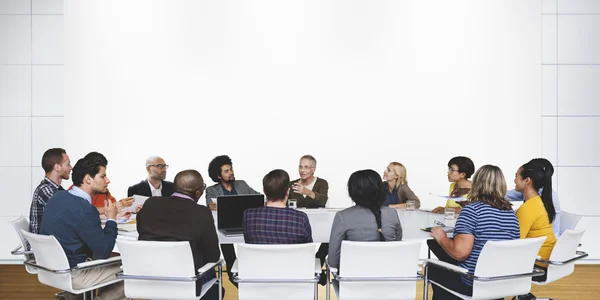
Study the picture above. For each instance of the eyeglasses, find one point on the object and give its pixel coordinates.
(305, 167)
(160, 166)
(450, 170)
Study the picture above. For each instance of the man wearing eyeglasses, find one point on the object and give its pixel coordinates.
(155, 185)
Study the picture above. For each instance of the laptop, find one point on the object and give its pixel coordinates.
(230, 212)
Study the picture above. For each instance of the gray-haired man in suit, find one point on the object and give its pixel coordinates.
(220, 171)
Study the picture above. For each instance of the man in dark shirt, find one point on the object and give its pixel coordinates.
(180, 218)
(274, 223)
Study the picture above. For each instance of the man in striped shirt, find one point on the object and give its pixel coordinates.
(275, 223)
(57, 165)
(488, 217)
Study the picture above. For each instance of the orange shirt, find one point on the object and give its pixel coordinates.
(98, 199)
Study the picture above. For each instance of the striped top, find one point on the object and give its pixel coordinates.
(486, 223)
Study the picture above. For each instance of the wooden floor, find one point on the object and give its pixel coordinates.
(15, 283)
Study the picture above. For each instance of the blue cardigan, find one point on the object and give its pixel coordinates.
(75, 223)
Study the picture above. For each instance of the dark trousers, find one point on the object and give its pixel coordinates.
(322, 252)
(229, 256)
(444, 277)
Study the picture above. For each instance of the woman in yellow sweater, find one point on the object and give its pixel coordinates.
(460, 169)
(537, 213)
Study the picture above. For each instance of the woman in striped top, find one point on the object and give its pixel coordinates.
(488, 217)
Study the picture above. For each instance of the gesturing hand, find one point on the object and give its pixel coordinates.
(110, 210)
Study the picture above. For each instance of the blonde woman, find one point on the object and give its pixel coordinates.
(488, 217)
(398, 192)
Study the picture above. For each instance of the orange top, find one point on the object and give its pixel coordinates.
(98, 199)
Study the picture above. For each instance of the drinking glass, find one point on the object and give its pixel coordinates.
(410, 205)
(292, 203)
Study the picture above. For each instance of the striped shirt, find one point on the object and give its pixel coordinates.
(273, 225)
(485, 223)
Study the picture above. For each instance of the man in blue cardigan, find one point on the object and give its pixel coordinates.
(72, 219)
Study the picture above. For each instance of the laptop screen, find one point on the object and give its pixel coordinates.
(230, 209)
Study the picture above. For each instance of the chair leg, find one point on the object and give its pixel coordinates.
(328, 283)
(425, 283)
(220, 271)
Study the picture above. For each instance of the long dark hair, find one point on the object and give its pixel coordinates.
(540, 174)
(367, 190)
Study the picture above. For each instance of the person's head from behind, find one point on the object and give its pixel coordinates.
(367, 190)
(190, 183)
(307, 167)
(276, 185)
(156, 168)
(97, 155)
(460, 168)
(56, 160)
(220, 169)
(533, 176)
(90, 176)
(549, 168)
(395, 173)
(489, 187)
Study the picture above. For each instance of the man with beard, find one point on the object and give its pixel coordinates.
(220, 171)
(57, 165)
(155, 185)
(72, 219)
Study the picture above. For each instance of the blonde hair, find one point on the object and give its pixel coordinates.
(489, 187)
(400, 170)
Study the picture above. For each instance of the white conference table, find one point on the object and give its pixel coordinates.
(321, 220)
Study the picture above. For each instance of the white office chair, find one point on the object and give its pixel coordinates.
(53, 267)
(568, 221)
(276, 271)
(563, 256)
(377, 270)
(504, 268)
(19, 224)
(163, 270)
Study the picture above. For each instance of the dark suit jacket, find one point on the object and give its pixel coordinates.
(320, 189)
(143, 189)
(181, 219)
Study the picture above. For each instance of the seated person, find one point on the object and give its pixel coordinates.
(155, 185)
(488, 217)
(311, 192)
(75, 223)
(460, 169)
(368, 220)
(220, 170)
(398, 192)
(514, 195)
(179, 218)
(274, 223)
(537, 213)
(99, 199)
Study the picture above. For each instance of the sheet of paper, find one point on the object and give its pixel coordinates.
(138, 200)
(127, 227)
(460, 198)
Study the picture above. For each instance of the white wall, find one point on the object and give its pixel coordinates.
(31, 102)
(571, 110)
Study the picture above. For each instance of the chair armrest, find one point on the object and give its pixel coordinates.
(445, 265)
(578, 255)
(21, 252)
(234, 268)
(98, 263)
(331, 269)
(534, 273)
(318, 267)
(207, 267)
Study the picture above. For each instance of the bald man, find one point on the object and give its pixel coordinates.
(155, 184)
(180, 218)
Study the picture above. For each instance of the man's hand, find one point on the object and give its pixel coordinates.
(299, 188)
(212, 205)
(438, 233)
(110, 210)
(138, 208)
(127, 202)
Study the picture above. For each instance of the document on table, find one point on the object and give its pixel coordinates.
(127, 227)
(459, 198)
(138, 200)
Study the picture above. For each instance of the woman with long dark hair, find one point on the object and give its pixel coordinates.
(368, 220)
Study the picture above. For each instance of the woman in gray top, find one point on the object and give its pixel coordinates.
(368, 220)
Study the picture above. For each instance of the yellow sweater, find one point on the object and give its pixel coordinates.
(534, 222)
(451, 202)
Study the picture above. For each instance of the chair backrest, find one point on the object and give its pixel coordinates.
(379, 259)
(154, 258)
(19, 224)
(568, 221)
(564, 249)
(501, 258)
(49, 254)
(277, 262)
